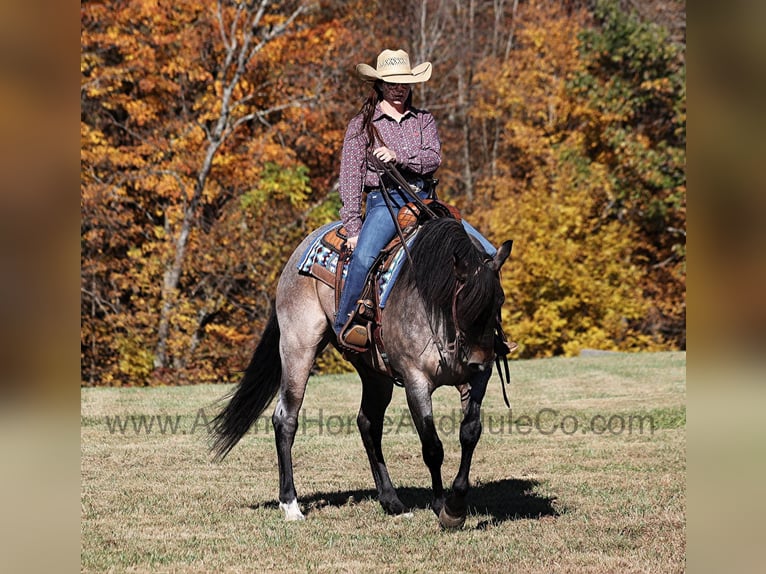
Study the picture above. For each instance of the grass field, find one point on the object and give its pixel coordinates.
(585, 474)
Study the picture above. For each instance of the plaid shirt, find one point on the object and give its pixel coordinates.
(415, 140)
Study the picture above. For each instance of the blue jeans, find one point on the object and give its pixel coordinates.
(377, 230)
(488, 247)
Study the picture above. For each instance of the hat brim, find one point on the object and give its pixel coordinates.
(420, 73)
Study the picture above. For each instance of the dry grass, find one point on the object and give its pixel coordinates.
(541, 501)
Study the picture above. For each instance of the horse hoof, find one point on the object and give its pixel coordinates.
(437, 505)
(393, 506)
(450, 522)
(292, 511)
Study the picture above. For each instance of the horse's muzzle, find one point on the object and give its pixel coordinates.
(480, 358)
(479, 367)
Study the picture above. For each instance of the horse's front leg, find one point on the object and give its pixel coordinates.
(421, 408)
(376, 396)
(453, 513)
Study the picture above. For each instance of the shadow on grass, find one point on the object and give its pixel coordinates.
(501, 500)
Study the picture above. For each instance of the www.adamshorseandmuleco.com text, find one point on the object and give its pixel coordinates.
(545, 421)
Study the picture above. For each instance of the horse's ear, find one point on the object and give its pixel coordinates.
(501, 255)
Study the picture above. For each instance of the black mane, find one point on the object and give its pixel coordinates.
(442, 254)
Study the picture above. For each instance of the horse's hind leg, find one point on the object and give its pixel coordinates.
(376, 396)
(285, 421)
(299, 345)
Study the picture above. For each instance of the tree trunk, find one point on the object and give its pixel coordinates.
(238, 55)
(465, 78)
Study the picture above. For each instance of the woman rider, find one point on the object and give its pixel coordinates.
(387, 129)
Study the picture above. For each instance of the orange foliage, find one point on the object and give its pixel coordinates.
(154, 87)
(563, 129)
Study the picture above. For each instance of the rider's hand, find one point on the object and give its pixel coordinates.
(351, 242)
(384, 154)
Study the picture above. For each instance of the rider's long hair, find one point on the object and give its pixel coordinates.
(367, 112)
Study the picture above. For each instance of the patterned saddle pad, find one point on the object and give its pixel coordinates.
(320, 260)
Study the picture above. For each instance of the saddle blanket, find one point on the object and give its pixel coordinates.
(321, 261)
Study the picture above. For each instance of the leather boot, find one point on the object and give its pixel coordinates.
(354, 336)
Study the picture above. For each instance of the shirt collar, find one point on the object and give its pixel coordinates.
(379, 113)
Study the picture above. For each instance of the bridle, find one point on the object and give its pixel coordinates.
(460, 344)
(460, 348)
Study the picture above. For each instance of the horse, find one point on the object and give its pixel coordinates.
(438, 328)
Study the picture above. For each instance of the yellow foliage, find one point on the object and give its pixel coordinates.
(135, 361)
(570, 283)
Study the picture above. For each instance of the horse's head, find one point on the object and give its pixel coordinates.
(460, 287)
(477, 302)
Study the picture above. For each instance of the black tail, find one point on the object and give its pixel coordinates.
(255, 391)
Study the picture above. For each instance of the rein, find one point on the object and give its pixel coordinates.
(383, 168)
(502, 357)
(507, 380)
(391, 171)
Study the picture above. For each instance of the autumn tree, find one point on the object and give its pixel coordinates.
(211, 136)
(634, 86)
(577, 277)
(190, 151)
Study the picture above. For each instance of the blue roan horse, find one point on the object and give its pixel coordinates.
(437, 329)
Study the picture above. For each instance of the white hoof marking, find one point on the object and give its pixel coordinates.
(292, 511)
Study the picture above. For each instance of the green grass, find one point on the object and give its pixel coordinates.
(579, 497)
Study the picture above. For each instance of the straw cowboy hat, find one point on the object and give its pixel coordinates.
(394, 67)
